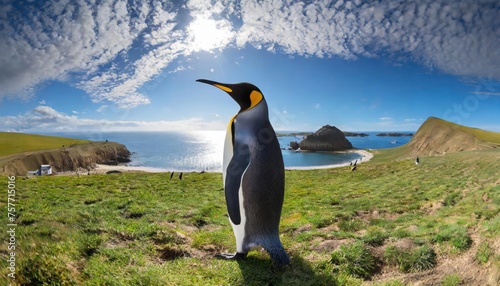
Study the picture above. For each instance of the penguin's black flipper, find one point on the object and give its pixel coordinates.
(234, 173)
(227, 256)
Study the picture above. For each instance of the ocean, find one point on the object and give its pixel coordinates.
(202, 150)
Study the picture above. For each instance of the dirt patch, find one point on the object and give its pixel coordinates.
(329, 228)
(367, 216)
(167, 253)
(331, 245)
(303, 228)
(431, 207)
(115, 243)
(486, 199)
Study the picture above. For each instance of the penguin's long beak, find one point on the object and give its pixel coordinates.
(222, 86)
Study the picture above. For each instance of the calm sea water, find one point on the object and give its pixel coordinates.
(202, 150)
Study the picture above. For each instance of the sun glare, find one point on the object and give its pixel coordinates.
(207, 34)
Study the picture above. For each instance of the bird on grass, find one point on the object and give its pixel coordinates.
(253, 175)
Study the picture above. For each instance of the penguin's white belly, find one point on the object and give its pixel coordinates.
(239, 230)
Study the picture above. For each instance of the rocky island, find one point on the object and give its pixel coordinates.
(354, 134)
(394, 134)
(327, 138)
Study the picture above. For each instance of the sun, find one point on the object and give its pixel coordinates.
(207, 34)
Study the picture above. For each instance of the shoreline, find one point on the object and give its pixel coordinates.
(365, 157)
(102, 169)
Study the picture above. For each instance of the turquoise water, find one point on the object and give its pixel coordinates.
(202, 150)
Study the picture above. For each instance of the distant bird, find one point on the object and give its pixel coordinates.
(171, 175)
(353, 168)
(417, 161)
(355, 162)
(180, 176)
(253, 175)
(350, 164)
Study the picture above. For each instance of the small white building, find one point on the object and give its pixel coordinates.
(45, 170)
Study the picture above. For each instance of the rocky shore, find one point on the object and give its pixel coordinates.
(65, 159)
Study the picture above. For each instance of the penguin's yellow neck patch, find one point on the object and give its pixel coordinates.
(255, 98)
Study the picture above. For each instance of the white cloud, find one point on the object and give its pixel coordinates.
(180, 69)
(317, 106)
(485, 93)
(458, 38)
(390, 124)
(409, 119)
(64, 39)
(45, 118)
(102, 108)
(113, 50)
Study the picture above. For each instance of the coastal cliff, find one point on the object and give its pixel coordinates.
(327, 138)
(66, 158)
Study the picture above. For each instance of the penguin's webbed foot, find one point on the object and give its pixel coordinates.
(227, 256)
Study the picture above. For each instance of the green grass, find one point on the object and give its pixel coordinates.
(452, 280)
(144, 229)
(484, 253)
(355, 260)
(412, 260)
(14, 143)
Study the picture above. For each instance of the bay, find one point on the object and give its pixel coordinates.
(202, 150)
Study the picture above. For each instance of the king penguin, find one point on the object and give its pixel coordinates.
(253, 175)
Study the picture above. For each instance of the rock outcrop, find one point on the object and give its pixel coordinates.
(294, 145)
(327, 138)
(66, 158)
(395, 134)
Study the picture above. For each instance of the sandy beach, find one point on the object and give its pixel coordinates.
(365, 157)
(102, 169)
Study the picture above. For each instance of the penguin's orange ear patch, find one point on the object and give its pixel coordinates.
(255, 98)
(224, 88)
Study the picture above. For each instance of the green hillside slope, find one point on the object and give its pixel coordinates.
(13, 143)
(438, 137)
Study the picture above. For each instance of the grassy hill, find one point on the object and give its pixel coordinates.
(437, 137)
(14, 143)
(391, 223)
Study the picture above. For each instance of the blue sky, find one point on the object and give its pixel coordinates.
(358, 65)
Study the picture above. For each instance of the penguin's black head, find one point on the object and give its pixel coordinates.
(245, 94)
